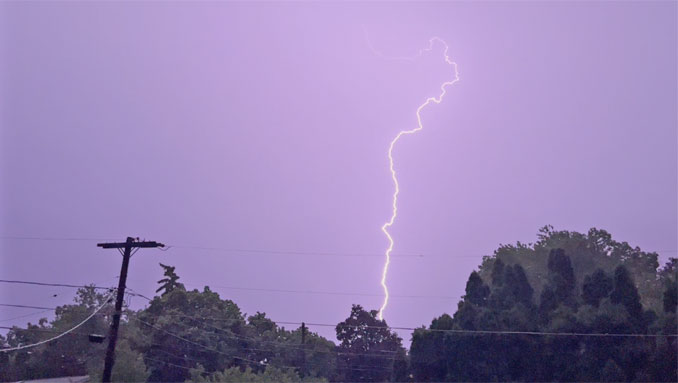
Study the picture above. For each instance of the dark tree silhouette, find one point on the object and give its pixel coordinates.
(369, 351)
(596, 287)
(169, 283)
(476, 290)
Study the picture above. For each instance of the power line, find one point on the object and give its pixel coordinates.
(457, 331)
(287, 252)
(237, 288)
(27, 307)
(25, 315)
(224, 249)
(41, 330)
(265, 251)
(62, 334)
(310, 292)
(275, 343)
(176, 365)
(158, 347)
(580, 334)
(339, 368)
(54, 284)
(499, 332)
(257, 289)
(283, 345)
(504, 332)
(54, 238)
(220, 352)
(244, 348)
(190, 341)
(135, 293)
(272, 365)
(315, 292)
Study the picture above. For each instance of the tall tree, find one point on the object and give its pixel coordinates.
(476, 290)
(216, 343)
(170, 282)
(625, 292)
(560, 287)
(369, 351)
(596, 287)
(429, 353)
(69, 355)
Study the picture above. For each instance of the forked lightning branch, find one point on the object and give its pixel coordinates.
(435, 100)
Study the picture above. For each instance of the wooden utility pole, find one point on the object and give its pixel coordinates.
(113, 334)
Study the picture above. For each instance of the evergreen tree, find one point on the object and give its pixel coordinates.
(625, 292)
(476, 290)
(670, 297)
(169, 283)
(497, 276)
(596, 287)
(521, 289)
(561, 282)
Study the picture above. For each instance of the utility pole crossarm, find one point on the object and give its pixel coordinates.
(121, 245)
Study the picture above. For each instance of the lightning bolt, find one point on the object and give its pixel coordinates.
(420, 126)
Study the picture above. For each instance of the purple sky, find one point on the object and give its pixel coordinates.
(265, 127)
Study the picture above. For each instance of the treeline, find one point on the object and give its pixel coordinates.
(581, 284)
(570, 307)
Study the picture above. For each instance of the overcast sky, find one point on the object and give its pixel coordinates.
(265, 127)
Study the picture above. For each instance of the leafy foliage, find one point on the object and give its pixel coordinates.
(236, 375)
(566, 282)
(66, 356)
(369, 351)
(587, 284)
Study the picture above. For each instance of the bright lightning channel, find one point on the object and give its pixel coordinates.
(420, 126)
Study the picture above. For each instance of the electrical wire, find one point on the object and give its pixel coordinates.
(276, 344)
(190, 341)
(175, 365)
(27, 307)
(53, 284)
(263, 251)
(109, 298)
(286, 252)
(298, 348)
(237, 250)
(245, 348)
(460, 331)
(130, 291)
(42, 330)
(501, 332)
(315, 292)
(293, 346)
(220, 352)
(55, 238)
(456, 331)
(25, 315)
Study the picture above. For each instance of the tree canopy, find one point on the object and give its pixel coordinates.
(586, 284)
(571, 307)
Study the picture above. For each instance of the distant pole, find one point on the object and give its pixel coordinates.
(303, 349)
(113, 333)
